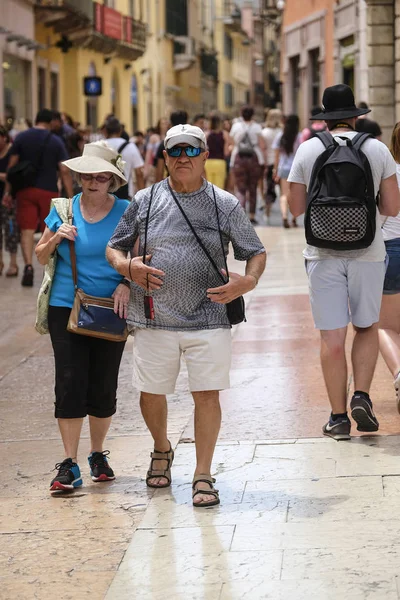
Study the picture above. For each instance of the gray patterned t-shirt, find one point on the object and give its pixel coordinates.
(182, 302)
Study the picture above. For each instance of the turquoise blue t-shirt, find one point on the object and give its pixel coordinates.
(95, 275)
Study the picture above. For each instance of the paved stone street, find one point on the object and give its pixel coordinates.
(301, 516)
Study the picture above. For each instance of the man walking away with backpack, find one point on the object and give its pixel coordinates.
(314, 127)
(133, 168)
(335, 179)
(35, 163)
(247, 159)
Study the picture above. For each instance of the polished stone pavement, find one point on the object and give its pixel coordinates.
(301, 516)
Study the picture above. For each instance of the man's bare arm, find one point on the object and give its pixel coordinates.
(139, 178)
(389, 201)
(297, 199)
(255, 266)
(134, 269)
(118, 260)
(11, 163)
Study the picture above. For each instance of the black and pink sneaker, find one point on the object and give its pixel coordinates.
(68, 477)
(100, 470)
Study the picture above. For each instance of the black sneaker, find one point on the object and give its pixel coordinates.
(100, 470)
(27, 277)
(362, 413)
(68, 477)
(339, 429)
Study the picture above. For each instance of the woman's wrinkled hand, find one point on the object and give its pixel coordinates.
(121, 300)
(67, 232)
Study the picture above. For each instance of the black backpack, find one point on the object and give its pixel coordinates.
(341, 205)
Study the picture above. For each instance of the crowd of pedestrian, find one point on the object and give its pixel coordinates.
(135, 237)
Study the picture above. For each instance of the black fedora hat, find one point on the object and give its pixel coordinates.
(338, 103)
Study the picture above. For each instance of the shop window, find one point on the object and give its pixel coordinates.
(177, 17)
(228, 46)
(314, 77)
(228, 91)
(16, 88)
(92, 104)
(347, 56)
(91, 114)
(115, 94)
(295, 83)
(134, 102)
(54, 91)
(41, 79)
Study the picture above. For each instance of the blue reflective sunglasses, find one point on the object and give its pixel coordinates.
(189, 151)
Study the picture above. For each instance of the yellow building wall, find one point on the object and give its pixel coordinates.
(74, 65)
(235, 71)
(46, 36)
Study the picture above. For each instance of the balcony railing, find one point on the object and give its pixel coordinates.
(126, 35)
(83, 8)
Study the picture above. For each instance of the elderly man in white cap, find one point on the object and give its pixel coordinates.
(177, 304)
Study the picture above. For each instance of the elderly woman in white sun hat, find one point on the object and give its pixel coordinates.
(86, 367)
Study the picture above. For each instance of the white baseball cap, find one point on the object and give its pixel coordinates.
(185, 134)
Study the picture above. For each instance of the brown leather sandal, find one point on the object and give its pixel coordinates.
(205, 478)
(166, 474)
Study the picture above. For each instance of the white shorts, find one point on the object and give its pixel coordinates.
(344, 290)
(157, 359)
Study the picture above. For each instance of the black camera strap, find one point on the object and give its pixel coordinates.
(202, 246)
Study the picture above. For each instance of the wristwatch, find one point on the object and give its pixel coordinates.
(126, 282)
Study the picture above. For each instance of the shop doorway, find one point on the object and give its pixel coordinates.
(135, 124)
(92, 104)
(115, 94)
(17, 86)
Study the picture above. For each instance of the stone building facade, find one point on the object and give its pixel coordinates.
(323, 43)
(383, 28)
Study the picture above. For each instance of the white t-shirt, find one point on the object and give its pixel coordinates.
(132, 158)
(269, 134)
(382, 167)
(391, 225)
(238, 132)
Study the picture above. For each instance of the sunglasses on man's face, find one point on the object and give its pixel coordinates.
(98, 178)
(189, 151)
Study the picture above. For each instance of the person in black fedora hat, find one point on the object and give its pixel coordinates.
(338, 103)
(345, 284)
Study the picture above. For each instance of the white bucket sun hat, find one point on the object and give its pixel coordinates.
(98, 157)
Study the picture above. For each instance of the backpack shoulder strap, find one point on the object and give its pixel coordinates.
(359, 139)
(326, 138)
(123, 146)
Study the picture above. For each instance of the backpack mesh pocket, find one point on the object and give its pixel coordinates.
(338, 224)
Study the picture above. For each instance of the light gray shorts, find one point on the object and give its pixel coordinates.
(344, 291)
